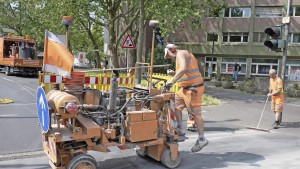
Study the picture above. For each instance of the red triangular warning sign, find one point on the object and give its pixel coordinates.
(128, 43)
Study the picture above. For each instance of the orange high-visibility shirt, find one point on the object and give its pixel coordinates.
(275, 84)
(191, 75)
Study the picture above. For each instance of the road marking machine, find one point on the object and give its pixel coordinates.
(77, 119)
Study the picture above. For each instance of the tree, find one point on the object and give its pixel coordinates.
(34, 16)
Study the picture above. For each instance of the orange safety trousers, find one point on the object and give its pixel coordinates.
(191, 99)
(277, 103)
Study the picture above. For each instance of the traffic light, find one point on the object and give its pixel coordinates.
(276, 43)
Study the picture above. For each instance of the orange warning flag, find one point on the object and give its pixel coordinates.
(57, 58)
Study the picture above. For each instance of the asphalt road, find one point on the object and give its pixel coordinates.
(18, 120)
(231, 144)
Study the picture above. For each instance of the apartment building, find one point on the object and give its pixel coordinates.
(237, 35)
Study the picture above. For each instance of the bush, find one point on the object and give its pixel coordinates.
(209, 100)
(216, 78)
(250, 83)
(226, 78)
(250, 86)
(227, 82)
(294, 90)
(295, 87)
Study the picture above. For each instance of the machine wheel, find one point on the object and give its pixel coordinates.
(83, 161)
(7, 70)
(167, 161)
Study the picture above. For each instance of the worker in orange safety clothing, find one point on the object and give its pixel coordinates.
(276, 92)
(189, 95)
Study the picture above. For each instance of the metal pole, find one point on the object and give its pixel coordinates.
(136, 67)
(127, 60)
(284, 52)
(67, 28)
(213, 47)
(152, 58)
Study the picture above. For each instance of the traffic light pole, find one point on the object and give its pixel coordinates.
(284, 52)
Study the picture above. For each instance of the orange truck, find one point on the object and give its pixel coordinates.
(18, 56)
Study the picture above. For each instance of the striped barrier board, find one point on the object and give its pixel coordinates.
(90, 80)
(99, 82)
(51, 79)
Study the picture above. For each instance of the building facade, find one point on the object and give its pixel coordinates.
(237, 35)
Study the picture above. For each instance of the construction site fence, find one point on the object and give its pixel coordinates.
(98, 81)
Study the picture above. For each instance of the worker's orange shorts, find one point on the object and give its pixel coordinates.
(277, 103)
(190, 99)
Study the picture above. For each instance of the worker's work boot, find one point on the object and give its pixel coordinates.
(276, 125)
(180, 131)
(199, 145)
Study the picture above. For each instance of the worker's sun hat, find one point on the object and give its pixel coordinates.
(168, 47)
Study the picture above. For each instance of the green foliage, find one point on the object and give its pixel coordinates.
(294, 87)
(226, 78)
(176, 13)
(217, 78)
(33, 17)
(209, 100)
(250, 83)
(160, 60)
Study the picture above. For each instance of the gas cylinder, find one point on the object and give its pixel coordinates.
(58, 100)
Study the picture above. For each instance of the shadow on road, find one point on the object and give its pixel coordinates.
(290, 125)
(188, 161)
(221, 129)
(234, 95)
(216, 160)
(229, 120)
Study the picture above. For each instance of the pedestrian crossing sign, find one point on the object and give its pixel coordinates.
(128, 43)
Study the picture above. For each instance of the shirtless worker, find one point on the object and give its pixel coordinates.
(190, 93)
(276, 92)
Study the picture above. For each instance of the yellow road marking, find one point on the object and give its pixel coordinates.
(5, 101)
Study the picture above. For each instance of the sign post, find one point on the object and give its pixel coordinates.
(42, 108)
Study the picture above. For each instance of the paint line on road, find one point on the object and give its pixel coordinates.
(22, 155)
(26, 88)
(290, 104)
(8, 115)
(216, 135)
(20, 104)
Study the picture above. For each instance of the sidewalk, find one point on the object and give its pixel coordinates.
(228, 92)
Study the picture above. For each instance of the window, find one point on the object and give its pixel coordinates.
(212, 37)
(235, 37)
(210, 61)
(295, 11)
(264, 61)
(262, 66)
(234, 60)
(294, 38)
(259, 37)
(293, 69)
(228, 65)
(263, 12)
(237, 12)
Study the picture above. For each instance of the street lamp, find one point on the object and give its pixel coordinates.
(215, 36)
(153, 24)
(67, 21)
